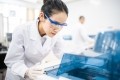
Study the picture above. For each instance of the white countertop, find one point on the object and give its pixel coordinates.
(46, 77)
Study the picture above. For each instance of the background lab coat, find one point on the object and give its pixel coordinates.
(26, 50)
(82, 33)
(81, 38)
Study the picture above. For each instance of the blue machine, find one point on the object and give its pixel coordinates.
(103, 67)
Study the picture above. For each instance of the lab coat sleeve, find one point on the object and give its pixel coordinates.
(85, 36)
(15, 55)
(88, 41)
(58, 48)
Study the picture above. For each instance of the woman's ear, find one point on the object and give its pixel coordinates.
(41, 17)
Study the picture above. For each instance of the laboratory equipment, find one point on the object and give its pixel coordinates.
(105, 66)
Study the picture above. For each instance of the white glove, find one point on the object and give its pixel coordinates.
(34, 71)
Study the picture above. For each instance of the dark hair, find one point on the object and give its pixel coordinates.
(81, 17)
(51, 7)
(44, 1)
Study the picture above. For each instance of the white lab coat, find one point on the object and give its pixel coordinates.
(81, 38)
(83, 33)
(26, 50)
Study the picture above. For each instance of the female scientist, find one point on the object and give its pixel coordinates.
(32, 42)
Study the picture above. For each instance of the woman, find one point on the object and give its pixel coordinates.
(33, 41)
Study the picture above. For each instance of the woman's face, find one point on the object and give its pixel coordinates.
(54, 24)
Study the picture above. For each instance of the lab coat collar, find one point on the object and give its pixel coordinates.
(34, 33)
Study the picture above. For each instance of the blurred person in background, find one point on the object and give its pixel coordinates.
(81, 37)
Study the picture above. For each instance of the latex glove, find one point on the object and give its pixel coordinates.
(34, 71)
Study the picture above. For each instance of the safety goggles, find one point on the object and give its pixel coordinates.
(55, 23)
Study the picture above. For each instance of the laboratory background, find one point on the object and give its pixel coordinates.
(102, 17)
